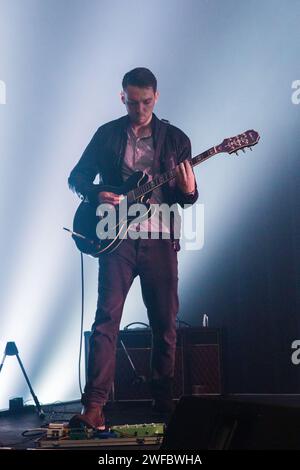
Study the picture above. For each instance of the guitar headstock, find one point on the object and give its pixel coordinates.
(246, 140)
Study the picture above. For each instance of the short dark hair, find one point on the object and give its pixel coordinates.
(140, 77)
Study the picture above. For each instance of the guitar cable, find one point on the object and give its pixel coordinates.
(82, 307)
(81, 322)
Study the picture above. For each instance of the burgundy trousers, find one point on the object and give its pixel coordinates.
(155, 262)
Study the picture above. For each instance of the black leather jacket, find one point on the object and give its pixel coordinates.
(105, 152)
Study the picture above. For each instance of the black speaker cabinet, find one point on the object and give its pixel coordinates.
(205, 423)
(197, 363)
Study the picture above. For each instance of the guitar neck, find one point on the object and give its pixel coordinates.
(169, 175)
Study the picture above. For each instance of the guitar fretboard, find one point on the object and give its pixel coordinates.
(169, 175)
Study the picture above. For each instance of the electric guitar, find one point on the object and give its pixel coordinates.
(138, 189)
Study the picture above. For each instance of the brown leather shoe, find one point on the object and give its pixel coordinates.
(91, 416)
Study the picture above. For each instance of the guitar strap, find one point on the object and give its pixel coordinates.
(160, 141)
(158, 159)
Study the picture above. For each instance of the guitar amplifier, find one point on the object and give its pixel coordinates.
(197, 363)
(202, 361)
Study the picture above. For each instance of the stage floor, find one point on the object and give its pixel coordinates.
(13, 426)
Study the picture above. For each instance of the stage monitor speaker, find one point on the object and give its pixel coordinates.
(200, 423)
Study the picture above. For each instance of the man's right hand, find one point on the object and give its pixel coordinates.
(105, 197)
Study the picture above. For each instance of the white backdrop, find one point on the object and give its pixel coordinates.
(222, 67)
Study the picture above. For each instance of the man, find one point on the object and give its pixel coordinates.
(137, 141)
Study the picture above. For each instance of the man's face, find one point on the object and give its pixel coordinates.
(139, 103)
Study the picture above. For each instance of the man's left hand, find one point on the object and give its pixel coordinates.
(185, 178)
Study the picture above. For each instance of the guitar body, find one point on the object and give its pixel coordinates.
(87, 218)
(86, 226)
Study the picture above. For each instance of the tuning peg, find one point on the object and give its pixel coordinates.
(250, 148)
(237, 154)
(243, 150)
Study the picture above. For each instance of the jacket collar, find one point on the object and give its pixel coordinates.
(156, 125)
(158, 133)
